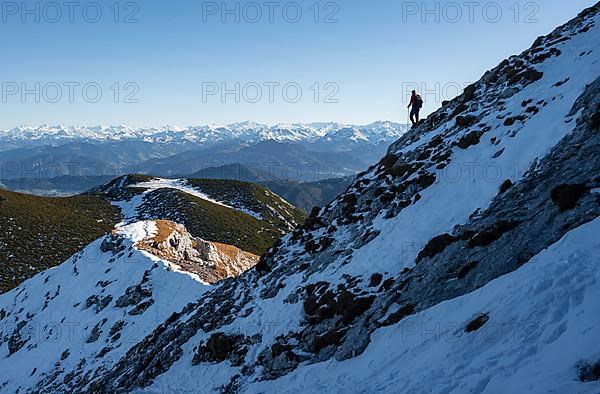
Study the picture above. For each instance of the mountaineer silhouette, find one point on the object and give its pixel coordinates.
(416, 102)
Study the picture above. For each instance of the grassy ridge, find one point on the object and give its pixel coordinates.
(37, 233)
(210, 221)
(220, 224)
(253, 196)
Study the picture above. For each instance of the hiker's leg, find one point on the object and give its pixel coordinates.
(417, 116)
(412, 117)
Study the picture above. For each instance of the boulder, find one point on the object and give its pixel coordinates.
(466, 120)
(477, 322)
(470, 139)
(566, 196)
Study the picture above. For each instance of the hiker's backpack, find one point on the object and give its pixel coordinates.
(419, 101)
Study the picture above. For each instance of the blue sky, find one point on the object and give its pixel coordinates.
(353, 61)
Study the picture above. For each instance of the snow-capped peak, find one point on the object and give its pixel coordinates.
(244, 131)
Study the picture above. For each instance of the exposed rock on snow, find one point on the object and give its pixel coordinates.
(211, 261)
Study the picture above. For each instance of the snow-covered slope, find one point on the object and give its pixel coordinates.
(465, 261)
(86, 313)
(542, 325)
(246, 131)
(89, 311)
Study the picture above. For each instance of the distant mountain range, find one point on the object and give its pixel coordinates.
(297, 152)
(328, 133)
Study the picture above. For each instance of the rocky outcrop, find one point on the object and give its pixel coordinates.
(211, 261)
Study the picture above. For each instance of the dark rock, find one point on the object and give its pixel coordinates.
(465, 120)
(498, 154)
(595, 121)
(387, 284)
(513, 119)
(490, 235)
(442, 156)
(325, 312)
(311, 246)
(310, 306)
(389, 160)
(469, 93)
(506, 185)
(69, 377)
(314, 212)
(112, 243)
(376, 279)
(424, 155)
(477, 323)
(133, 295)
(262, 267)
(349, 201)
(279, 348)
(16, 342)
(91, 300)
(326, 242)
(460, 108)
(560, 83)
(588, 372)
(96, 331)
(538, 42)
(116, 328)
(426, 180)
(142, 307)
(221, 347)
(566, 196)
(367, 237)
(542, 57)
(436, 246)
(330, 338)
(530, 75)
(350, 306)
(398, 171)
(103, 352)
(435, 141)
(387, 198)
(400, 314)
(462, 273)
(312, 223)
(470, 139)
(100, 303)
(103, 283)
